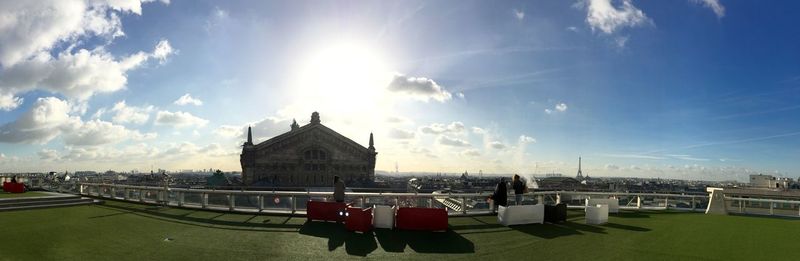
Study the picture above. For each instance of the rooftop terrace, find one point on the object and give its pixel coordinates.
(130, 231)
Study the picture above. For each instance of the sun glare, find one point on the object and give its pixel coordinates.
(346, 77)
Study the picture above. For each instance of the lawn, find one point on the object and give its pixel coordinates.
(23, 195)
(127, 231)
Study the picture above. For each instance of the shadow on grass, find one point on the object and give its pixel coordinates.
(627, 227)
(186, 219)
(361, 244)
(547, 231)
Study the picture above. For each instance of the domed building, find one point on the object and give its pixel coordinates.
(307, 156)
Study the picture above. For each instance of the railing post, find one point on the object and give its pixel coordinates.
(260, 202)
(693, 206)
(638, 202)
(141, 195)
(231, 201)
(397, 201)
(558, 198)
(113, 192)
(294, 204)
(430, 202)
(666, 203)
(204, 199)
(771, 211)
(363, 202)
(741, 210)
(180, 198)
(464, 205)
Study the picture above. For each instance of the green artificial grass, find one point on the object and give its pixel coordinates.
(127, 231)
(23, 195)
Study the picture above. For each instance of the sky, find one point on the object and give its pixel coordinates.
(694, 89)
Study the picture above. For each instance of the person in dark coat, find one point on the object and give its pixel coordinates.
(500, 195)
(519, 189)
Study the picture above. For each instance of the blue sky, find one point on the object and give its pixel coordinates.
(696, 89)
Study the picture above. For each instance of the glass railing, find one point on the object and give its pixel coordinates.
(456, 203)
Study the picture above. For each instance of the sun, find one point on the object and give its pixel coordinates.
(346, 77)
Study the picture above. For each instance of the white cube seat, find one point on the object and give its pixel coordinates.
(383, 216)
(597, 214)
(521, 214)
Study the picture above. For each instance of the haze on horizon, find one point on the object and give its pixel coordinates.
(695, 89)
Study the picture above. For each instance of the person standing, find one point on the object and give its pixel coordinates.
(519, 189)
(500, 195)
(338, 189)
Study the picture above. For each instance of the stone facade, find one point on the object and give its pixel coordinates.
(307, 156)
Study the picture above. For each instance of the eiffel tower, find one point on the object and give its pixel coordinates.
(580, 174)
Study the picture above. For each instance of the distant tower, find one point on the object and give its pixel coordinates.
(294, 125)
(396, 168)
(249, 136)
(580, 174)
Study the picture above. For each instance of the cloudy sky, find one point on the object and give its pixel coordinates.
(697, 89)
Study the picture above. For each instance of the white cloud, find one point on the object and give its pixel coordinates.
(229, 131)
(162, 51)
(31, 30)
(456, 142)
(401, 134)
(47, 154)
(188, 99)
(179, 119)
(561, 107)
(478, 130)
(611, 167)
(497, 145)
(96, 132)
(129, 114)
(519, 14)
(439, 128)
(471, 153)
(620, 41)
(573, 29)
(46, 119)
(8, 102)
(604, 16)
(526, 139)
(715, 6)
(420, 88)
(49, 117)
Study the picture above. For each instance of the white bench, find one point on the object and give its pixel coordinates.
(613, 204)
(383, 217)
(521, 214)
(597, 214)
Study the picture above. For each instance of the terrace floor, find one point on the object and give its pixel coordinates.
(128, 231)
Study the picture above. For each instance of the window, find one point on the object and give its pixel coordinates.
(308, 154)
(321, 155)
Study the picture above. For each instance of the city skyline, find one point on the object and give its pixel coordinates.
(700, 90)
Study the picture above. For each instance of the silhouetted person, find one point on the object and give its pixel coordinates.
(14, 179)
(519, 189)
(338, 189)
(500, 195)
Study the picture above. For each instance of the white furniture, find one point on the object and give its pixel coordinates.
(383, 217)
(522, 214)
(597, 214)
(613, 204)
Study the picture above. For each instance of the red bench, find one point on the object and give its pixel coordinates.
(431, 219)
(359, 219)
(325, 211)
(13, 187)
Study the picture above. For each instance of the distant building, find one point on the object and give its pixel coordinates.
(763, 181)
(307, 156)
